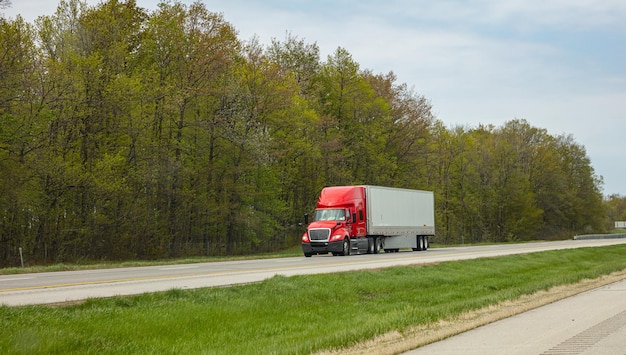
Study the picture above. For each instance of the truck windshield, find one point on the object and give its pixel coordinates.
(330, 215)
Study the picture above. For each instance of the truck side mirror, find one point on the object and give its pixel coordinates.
(306, 219)
(354, 217)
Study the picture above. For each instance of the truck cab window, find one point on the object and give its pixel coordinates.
(331, 214)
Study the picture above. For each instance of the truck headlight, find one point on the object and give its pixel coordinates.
(336, 237)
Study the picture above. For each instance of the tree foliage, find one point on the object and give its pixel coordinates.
(133, 134)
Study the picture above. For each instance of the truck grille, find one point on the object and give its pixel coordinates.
(321, 234)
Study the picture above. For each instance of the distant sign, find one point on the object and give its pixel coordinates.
(620, 224)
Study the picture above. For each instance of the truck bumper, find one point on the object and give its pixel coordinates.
(322, 248)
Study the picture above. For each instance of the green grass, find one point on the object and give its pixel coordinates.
(294, 315)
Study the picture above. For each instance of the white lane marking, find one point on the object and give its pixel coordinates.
(178, 267)
(17, 278)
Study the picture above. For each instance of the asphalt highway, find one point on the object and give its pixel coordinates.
(592, 322)
(57, 287)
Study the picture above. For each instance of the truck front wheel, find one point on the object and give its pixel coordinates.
(346, 247)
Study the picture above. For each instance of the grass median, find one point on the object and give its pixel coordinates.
(299, 314)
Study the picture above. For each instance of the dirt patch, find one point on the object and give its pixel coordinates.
(396, 342)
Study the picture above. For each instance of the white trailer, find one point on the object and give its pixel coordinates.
(399, 218)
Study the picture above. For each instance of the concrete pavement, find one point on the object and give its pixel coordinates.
(593, 322)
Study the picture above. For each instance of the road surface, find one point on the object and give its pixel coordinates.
(593, 322)
(56, 287)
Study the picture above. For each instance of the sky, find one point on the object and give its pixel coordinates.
(558, 64)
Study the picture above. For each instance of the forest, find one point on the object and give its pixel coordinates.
(133, 134)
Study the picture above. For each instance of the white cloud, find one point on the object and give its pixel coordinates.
(565, 14)
(515, 14)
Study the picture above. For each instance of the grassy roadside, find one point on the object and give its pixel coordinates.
(300, 314)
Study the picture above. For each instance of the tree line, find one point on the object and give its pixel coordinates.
(135, 134)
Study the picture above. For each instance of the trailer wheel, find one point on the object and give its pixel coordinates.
(418, 241)
(307, 255)
(346, 247)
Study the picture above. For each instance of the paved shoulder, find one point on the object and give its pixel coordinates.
(593, 322)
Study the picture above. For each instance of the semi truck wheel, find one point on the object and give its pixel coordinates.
(418, 241)
(376, 245)
(346, 247)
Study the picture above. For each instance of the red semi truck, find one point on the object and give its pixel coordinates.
(367, 219)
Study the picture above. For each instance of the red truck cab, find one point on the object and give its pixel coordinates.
(339, 222)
